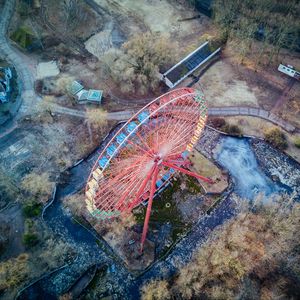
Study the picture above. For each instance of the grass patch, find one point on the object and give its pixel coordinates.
(297, 142)
(30, 239)
(23, 37)
(164, 210)
(193, 186)
(32, 209)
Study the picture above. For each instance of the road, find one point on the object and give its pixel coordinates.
(24, 66)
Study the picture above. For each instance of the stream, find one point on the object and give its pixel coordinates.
(235, 155)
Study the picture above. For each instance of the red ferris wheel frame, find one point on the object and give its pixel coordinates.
(145, 153)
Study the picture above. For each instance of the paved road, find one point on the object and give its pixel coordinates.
(25, 68)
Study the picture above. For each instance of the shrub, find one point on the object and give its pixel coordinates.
(276, 138)
(32, 209)
(297, 142)
(14, 271)
(232, 129)
(155, 290)
(217, 122)
(30, 239)
(37, 185)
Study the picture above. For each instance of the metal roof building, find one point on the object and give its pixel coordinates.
(188, 65)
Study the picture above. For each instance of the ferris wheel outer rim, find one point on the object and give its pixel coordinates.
(188, 92)
(133, 118)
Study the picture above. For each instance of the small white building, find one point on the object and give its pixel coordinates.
(289, 70)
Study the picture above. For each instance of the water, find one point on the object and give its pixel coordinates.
(238, 158)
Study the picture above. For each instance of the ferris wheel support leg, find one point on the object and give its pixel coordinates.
(142, 188)
(149, 206)
(167, 164)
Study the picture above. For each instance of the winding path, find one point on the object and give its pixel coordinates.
(26, 69)
(24, 66)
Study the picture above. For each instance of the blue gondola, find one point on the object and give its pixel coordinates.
(143, 116)
(111, 150)
(166, 176)
(185, 154)
(120, 138)
(159, 183)
(102, 162)
(131, 127)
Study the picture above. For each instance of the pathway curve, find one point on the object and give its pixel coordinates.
(24, 66)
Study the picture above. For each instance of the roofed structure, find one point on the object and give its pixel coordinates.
(83, 95)
(188, 65)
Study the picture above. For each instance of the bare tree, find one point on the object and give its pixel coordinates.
(137, 65)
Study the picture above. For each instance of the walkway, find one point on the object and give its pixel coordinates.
(214, 111)
(118, 116)
(251, 111)
(25, 68)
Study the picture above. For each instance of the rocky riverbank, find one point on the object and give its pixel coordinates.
(278, 166)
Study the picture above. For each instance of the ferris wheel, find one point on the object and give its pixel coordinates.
(143, 156)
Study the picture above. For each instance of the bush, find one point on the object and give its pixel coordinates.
(217, 122)
(32, 209)
(14, 271)
(38, 186)
(30, 239)
(276, 138)
(297, 142)
(232, 130)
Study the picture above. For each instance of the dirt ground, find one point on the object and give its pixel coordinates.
(129, 17)
(224, 87)
(202, 166)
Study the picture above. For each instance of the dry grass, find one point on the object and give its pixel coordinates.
(205, 167)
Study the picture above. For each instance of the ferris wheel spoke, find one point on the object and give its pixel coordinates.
(180, 141)
(144, 142)
(124, 193)
(139, 147)
(106, 187)
(142, 189)
(149, 206)
(167, 164)
(177, 127)
(128, 169)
